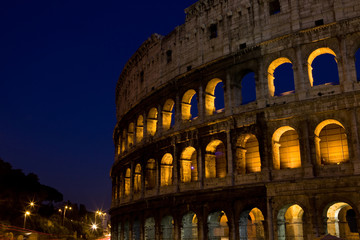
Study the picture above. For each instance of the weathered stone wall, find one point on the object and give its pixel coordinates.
(238, 22)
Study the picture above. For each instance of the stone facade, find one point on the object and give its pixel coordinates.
(284, 166)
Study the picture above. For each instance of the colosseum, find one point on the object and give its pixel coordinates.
(242, 123)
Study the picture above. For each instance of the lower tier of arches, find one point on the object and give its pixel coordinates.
(309, 209)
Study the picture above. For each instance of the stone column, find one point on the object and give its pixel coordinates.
(355, 141)
(344, 69)
(270, 218)
(301, 82)
(305, 150)
(230, 162)
(201, 104)
(228, 95)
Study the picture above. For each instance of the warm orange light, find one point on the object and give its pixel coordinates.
(27, 213)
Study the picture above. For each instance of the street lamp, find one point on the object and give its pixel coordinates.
(94, 226)
(27, 213)
(65, 208)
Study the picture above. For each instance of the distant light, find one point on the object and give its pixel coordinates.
(94, 226)
(27, 213)
(192, 167)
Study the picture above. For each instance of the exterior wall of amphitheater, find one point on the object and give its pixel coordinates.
(284, 166)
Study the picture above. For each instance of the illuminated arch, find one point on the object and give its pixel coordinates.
(167, 113)
(189, 226)
(251, 224)
(188, 165)
(167, 227)
(247, 154)
(149, 229)
(311, 58)
(186, 105)
(150, 175)
(166, 170)
(271, 69)
(127, 182)
(119, 146)
(331, 142)
(218, 227)
(139, 128)
(210, 96)
(290, 222)
(137, 178)
(215, 160)
(286, 148)
(341, 221)
(123, 141)
(130, 135)
(152, 121)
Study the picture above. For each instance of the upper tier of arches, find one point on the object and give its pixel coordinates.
(204, 99)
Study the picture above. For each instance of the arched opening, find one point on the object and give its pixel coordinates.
(149, 229)
(150, 177)
(137, 178)
(331, 143)
(215, 160)
(167, 114)
(357, 64)
(136, 230)
(322, 67)
(281, 77)
(247, 154)
(167, 228)
(290, 223)
(119, 146)
(218, 228)
(127, 182)
(188, 165)
(189, 227)
(286, 148)
(214, 96)
(166, 170)
(152, 121)
(126, 230)
(123, 141)
(131, 135)
(189, 109)
(341, 221)
(139, 129)
(248, 88)
(251, 226)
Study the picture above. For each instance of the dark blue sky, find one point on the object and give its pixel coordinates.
(59, 64)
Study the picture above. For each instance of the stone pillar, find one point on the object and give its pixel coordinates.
(262, 92)
(305, 150)
(143, 172)
(177, 107)
(157, 228)
(145, 131)
(176, 166)
(344, 69)
(159, 124)
(228, 95)
(177, 226)
(300, 78)
(230, 162)
(201, 105)
(355, 141)
(201, 165)
(270, 218)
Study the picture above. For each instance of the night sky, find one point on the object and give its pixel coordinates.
(60, 61)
